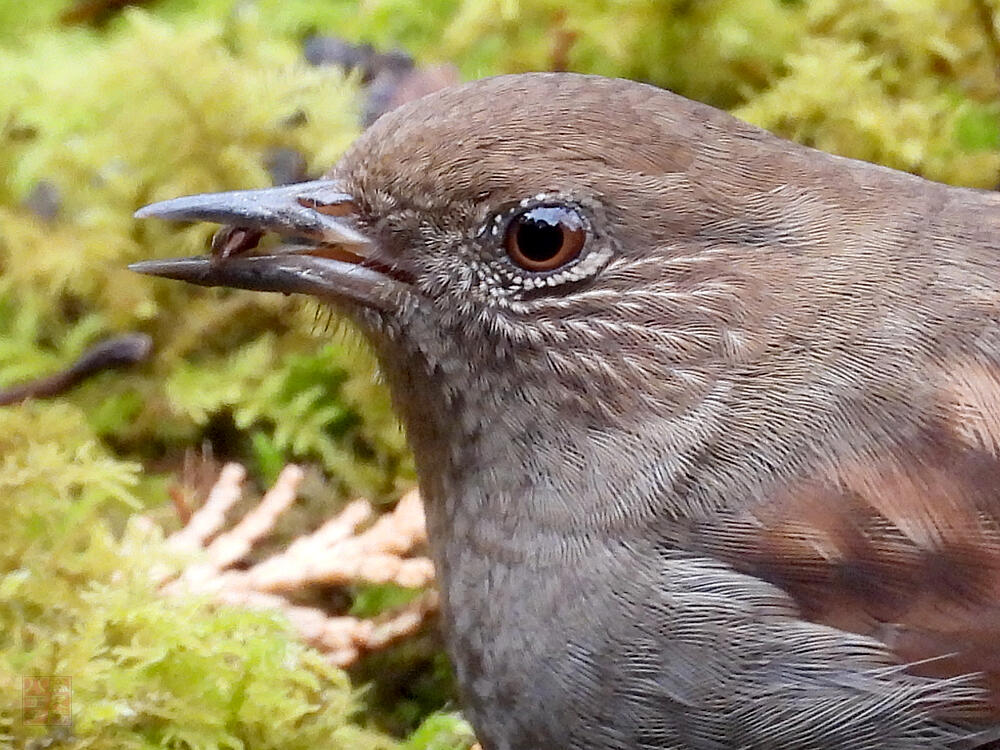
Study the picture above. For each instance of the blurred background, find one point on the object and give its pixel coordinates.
(122, 397)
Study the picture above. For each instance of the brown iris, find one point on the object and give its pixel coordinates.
(544, 238)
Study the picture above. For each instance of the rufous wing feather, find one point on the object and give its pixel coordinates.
(904, 547)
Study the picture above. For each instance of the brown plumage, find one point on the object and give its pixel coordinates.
(725, 472)
(905, 549)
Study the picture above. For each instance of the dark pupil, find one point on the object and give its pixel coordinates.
(539, 237)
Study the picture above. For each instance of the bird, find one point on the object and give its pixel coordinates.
(706, 422)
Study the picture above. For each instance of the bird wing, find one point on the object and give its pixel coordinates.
(903, 547)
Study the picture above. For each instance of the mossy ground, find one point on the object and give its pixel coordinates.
(182, 96)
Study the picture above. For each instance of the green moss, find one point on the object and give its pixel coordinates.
(79, 601)
(441, 731)
(193, 95)
(902, 84)
(151, 113)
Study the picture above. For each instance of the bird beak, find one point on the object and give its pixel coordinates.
(325, 254)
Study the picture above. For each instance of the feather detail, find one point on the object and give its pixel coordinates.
(905, 549)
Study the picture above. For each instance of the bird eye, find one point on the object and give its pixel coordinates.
(545, 237)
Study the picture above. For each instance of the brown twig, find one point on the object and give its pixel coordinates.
(988, 23)
(563, 40)
(95, 11)
(113, 353)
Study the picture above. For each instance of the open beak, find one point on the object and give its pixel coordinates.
(325, 255)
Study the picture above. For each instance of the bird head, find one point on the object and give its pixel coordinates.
(550, 256)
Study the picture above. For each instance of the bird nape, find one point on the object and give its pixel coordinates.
(707, 423)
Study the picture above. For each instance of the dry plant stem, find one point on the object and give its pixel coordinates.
(339, 552)
(372, 556)
(211, 517)
(986, 20)
(235, 544)
(95, 11)
(342, 639)
(113, 353)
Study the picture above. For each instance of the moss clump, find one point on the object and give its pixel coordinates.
(155, 112)
(79, 600)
